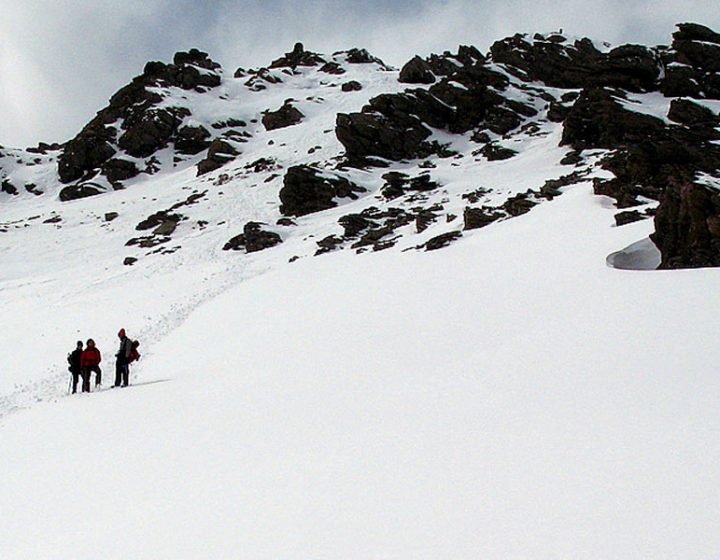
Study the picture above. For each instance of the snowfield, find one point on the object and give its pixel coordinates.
(511, 396)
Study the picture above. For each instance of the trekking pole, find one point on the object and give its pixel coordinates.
(70, 384)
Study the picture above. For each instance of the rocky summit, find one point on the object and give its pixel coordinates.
(431, 150)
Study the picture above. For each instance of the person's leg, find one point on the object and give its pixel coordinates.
(118, 374)
(126, 375)
(75, 378)
(85, 380)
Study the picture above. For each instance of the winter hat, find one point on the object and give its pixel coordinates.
(121, 334)
(79, 343)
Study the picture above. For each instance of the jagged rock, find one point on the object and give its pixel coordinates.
(519, 204)
(332, 68)
(698, 46)
(167, 227)
(354, 224)
(597, 120)
(8, 187)
(87, 151)
(416, 71)
(475, 218)
(157, 219)
(447, 63)
(129, 261)
(628, 217)
(192, 140)
(362, 56)
(110, 216)
(148, 131)
(352, 85)
(285, 222)
(307, 190)
(696, 32)
(395, 126)
(298, 57)
(560, 63)
(287, 115)
(32, 188)
(53, 220)
(74, 192)
(441, 241)
(219, 153)
(687, 226)
(495, 152)
(424, 219)
(397, 184)
(689, 113)
(328, 244)
(253, 239)
(119, 170)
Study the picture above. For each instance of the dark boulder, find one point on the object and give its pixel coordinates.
(352, 85)
(191, 140)
(298, 57)
(253, 239)
(692, 114)
(219, 153)
(306, 190)
(157, 219)
(519, 204)
(558, 62)
(8, 188)
(86, 152)
(441, 241)
(687, 226)
(148, 131)
(628, 217)
(475, 218)
(332, 68)
(74, 192)
(119, 170)
(416, 71)
(598, 120)
(285, 116)
(362, 56)
(698, 46)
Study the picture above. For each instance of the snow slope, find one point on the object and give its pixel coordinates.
(508, 397)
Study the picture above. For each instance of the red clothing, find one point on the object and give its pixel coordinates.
(90, 357)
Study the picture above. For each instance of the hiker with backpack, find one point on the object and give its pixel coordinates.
(75, 367)
(90, 362)
(126, 354)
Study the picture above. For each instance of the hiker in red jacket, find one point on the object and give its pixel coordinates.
(90, 361)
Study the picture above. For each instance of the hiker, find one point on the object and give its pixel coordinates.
(122, 360)
(89, 362)
(74, 367)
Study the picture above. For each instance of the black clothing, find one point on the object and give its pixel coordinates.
(122, 369)
(122, 374)
(74, 361)
(86, 377)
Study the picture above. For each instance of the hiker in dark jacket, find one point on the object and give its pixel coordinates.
(74, 367)
(122, 359)
(90, 361)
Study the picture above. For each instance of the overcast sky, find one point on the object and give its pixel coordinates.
(61, 60)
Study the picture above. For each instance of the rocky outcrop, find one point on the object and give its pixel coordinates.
(307, 190)
(687, 226)
(558, 62)
(416, 71)
(253, 239)
(74, 192)
(133, 122)
(219, 153)
(285, 116)
(298, 57)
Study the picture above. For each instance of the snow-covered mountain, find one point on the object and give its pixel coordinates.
(318, 381)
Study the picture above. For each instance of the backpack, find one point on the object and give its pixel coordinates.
(134, 354)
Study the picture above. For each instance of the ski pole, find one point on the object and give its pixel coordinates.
(69, 384)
